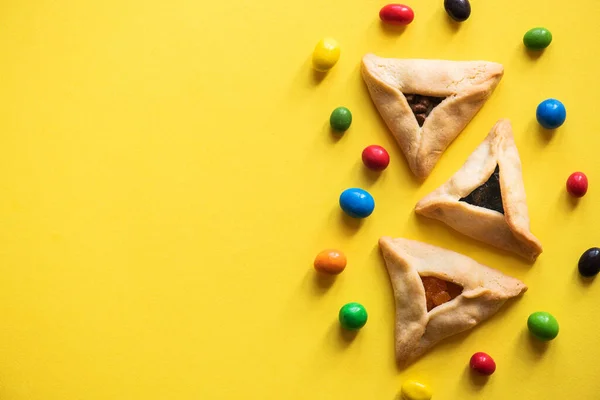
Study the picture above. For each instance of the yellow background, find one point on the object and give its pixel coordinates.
(168, 177)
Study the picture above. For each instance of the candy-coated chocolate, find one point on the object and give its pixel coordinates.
(482, 363)
(543, 325)
(375, 157)
(325, 54)
(458, 10)
(413, 390)
(397, 14)
(353, 316)
(577, 184)
(340, 119)
(589, 262)
(357, 203)
(537, 38)
(551, 113)
(330, 262)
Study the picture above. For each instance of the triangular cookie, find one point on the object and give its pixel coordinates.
(410, 264)
(485, 199)
(427, 103)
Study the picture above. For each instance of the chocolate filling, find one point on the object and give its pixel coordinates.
(421, 106)
(487, 195)
(439, 291)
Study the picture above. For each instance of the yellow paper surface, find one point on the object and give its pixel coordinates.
(168, 176)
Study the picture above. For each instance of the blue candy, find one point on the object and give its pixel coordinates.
(357, 203)
(551, 113)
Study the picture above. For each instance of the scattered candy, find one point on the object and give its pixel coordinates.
(375, 157)
(589, 262)
(353, 316)
(357, 203)
(551, 113)
(482, 363)
(577, 184)
(537, 38)
(542, 325)
(413, 390)
(330, 262)
(325, 54)
(458, 10)
(397, 14)
(340, 119)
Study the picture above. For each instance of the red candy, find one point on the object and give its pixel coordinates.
(375, 157)
(482, 363)
(397, 14)
(577, 184)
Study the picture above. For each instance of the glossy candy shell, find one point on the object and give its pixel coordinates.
(357, 203)
(577, 184)
(340, 119)
(375, 157)
(413, 390)
(396, 14)
(353, 316)
(326, 54)
(330, 262)
(482, 363)
(458, 10)
(543, 325)
(537, 38)
(589, 262)
(551, 113)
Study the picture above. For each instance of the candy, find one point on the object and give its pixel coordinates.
(551, 113)
(458, 10)
(397, 14)
(340, 119)
(353, 316)
(375, 157)
(330, 262)
(482, 363)
(537, 38)
(589, 262)
(325, 54)
(542, 325)
(357, 203)
(577, 184)
(413, 390)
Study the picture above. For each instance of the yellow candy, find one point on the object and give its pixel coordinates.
(413, 390)
(326, 54)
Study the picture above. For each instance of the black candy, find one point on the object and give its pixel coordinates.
(589, 262)
(458, 10)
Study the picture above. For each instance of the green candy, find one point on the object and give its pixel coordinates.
(353, 316)
(340, 119)
(537, 38)
(542, 325)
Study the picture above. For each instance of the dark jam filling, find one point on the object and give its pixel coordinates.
(421, 106)
(439, 291)
(487, 195)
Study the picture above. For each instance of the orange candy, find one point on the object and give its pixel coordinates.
(330, 262)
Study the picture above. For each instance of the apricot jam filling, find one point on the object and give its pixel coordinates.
(439, 291)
